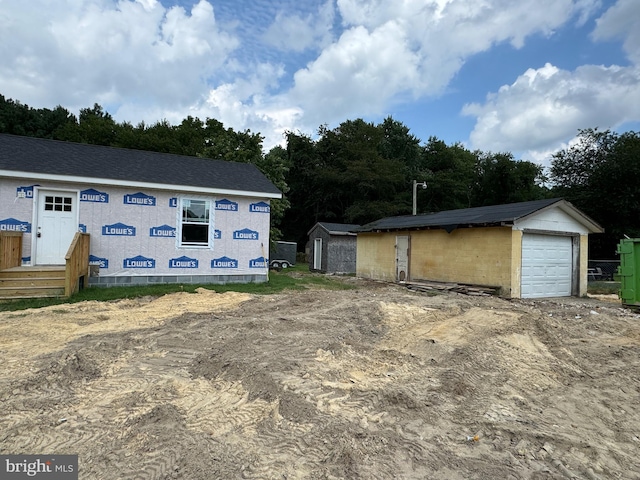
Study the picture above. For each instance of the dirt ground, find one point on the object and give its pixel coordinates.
(377, 382)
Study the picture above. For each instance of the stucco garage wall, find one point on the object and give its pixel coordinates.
(584, 264)
(479, 256)
(471, 255)
(376, 257)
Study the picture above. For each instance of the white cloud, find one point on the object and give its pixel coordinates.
(247, 105)
(77, 53)
(622, 21)
(301, 32)
(392, 51)
(361, 72)
(149, 62)
(546, 106)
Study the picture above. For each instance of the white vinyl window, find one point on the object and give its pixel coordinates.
(194, 222)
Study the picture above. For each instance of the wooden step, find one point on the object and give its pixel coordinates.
(32, 282)
(32, 272)
(9, 293)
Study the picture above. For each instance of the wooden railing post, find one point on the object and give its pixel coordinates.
(10, 249)
(77, 263)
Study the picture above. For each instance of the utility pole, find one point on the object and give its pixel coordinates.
(415, 194)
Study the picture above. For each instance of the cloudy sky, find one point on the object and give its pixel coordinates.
(498, 75)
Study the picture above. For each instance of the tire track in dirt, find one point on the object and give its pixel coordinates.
(369, 383)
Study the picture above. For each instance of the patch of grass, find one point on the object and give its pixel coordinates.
(295, 278)
(23, 304)
(603, 288)
(330, 283)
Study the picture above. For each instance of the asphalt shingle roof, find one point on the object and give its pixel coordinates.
(339, 227)
(464, 217)
(52, 157)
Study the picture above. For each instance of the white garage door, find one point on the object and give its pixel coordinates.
(546, 266)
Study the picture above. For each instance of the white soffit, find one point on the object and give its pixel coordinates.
(140, 185)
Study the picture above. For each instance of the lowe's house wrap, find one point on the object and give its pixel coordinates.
(151, 217)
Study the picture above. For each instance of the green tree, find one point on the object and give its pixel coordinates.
(451, 176)
(15, 118)
(360, 183)
(600, 175)
(303, 164)
(226, 144)
(501, 179)
(94, 126)
(19, 119)
(275, 166)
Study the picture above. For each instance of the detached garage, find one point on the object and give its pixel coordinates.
(531, 249)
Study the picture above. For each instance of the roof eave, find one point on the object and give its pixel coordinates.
(438, 227)
(125, 183)
(573, 212)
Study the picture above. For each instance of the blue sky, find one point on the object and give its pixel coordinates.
(497, 75)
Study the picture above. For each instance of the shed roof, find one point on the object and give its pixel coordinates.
(37, 158)
(337, 228)
(494, 215)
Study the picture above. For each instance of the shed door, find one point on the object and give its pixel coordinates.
(547, 266)
(56, 224)
(402, 258)
(317, 254)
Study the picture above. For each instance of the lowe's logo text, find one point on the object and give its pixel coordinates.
(260, 207)
(173, 202)
(224, 262)
(25, 192)
(119, 229)
(100, 262)
(183, 262)
(227, 205)
(162, 231)
(140, 199)
(139, 262)
(245, 234)
(217, 234)
(259, 262)
(82, 228)
(13, 225)
(92, 195)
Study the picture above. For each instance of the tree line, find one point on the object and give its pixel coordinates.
(361, 171)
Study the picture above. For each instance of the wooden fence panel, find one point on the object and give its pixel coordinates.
(10, 249)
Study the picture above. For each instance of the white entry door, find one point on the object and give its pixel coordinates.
(402, 258)
(56, 224)
(317, 254)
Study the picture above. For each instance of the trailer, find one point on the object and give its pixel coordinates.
(283, 255)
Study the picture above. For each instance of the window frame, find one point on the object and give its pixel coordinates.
(208, 205)
(58, 203)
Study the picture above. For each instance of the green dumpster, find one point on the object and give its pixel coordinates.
(629, 271)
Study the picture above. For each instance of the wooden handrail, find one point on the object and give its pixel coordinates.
(10, 249)
(77, 264)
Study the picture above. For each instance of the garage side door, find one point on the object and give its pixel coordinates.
(546, 266)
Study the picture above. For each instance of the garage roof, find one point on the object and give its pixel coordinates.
(495, 215)
(336, 228)
(37, 158)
